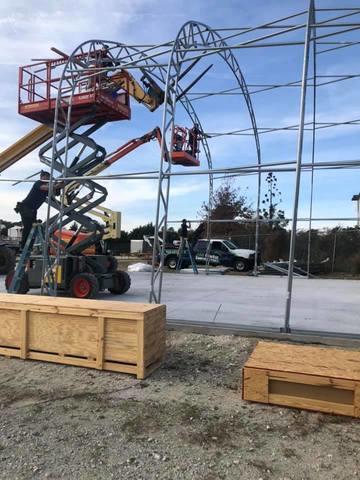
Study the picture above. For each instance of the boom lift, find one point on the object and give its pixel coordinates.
(83, 267)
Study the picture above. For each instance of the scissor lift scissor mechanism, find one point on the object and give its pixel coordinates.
(84, 268)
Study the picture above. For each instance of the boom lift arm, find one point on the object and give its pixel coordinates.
(24, 145)
(125, 150)
(152, 98)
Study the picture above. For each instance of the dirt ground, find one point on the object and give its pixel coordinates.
(187, 421)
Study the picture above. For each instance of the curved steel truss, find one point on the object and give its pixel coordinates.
(316, 31)
(199, 36)
(78, 68)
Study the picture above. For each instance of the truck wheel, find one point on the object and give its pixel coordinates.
(171, 262)
(84, 285)
(112, 264)
(241, 265)
(24, 283)
(7, 260)
(122, 282)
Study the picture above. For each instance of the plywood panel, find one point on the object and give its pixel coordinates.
(255, 385)
(267, 378)
(65, 334)
(330, 362)
(100, 343)
(311, 404)
(9, 328)
(58, 302)
(154, 337)
(312, 380)
(120, 341)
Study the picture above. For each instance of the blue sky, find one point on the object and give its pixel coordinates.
(29, 29)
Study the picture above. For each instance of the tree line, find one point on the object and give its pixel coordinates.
(337, 248)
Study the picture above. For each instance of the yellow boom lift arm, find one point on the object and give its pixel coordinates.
(25, 145)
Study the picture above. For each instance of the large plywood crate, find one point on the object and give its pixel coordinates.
(117, 336)
(313, 378)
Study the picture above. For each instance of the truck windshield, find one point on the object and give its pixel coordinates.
(230, 245)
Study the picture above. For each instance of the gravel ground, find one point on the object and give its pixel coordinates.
(187, 421)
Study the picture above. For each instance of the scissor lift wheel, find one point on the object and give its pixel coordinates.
(84, 285)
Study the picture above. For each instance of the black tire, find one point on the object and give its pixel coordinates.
(7, 260)
(24, 283)
(171, 262)
(112, 264)
(84, 285)
(121, 283)
(241, 265)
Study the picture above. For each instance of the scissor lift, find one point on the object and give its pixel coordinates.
(96, 101)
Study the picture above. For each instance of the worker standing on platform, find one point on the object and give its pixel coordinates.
(29, 206)
(194, 134)
(106, 60)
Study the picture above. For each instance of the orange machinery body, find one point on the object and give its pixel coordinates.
(185, 159)
(182, 153)
(66, 236)
(38, 89)
(179, 156)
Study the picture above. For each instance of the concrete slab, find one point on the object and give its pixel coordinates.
(318, 304)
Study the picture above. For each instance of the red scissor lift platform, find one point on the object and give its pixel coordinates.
(94, 96)
(38, 89)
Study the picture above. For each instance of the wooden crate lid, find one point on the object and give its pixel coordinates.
(310, 360)
(102, 306)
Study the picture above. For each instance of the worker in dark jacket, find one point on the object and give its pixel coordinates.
(194, 137)
(184, 228)
(29, 206)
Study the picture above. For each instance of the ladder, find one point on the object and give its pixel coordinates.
(185, 248)
(35, 239)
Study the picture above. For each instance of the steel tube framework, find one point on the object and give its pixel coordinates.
(167, 62)
(311, 19)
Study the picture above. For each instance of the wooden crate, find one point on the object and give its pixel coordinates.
(106, 335)
(312, 378)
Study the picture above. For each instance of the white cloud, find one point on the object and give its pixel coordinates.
(129, 192)
(29, 29)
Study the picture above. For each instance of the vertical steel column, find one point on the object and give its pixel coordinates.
(168, 124)
(312, 151)
(310, 21)
(257, 225)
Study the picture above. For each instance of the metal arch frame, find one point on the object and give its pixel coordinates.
(185, 42)
(62, 117)
(73, 72)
